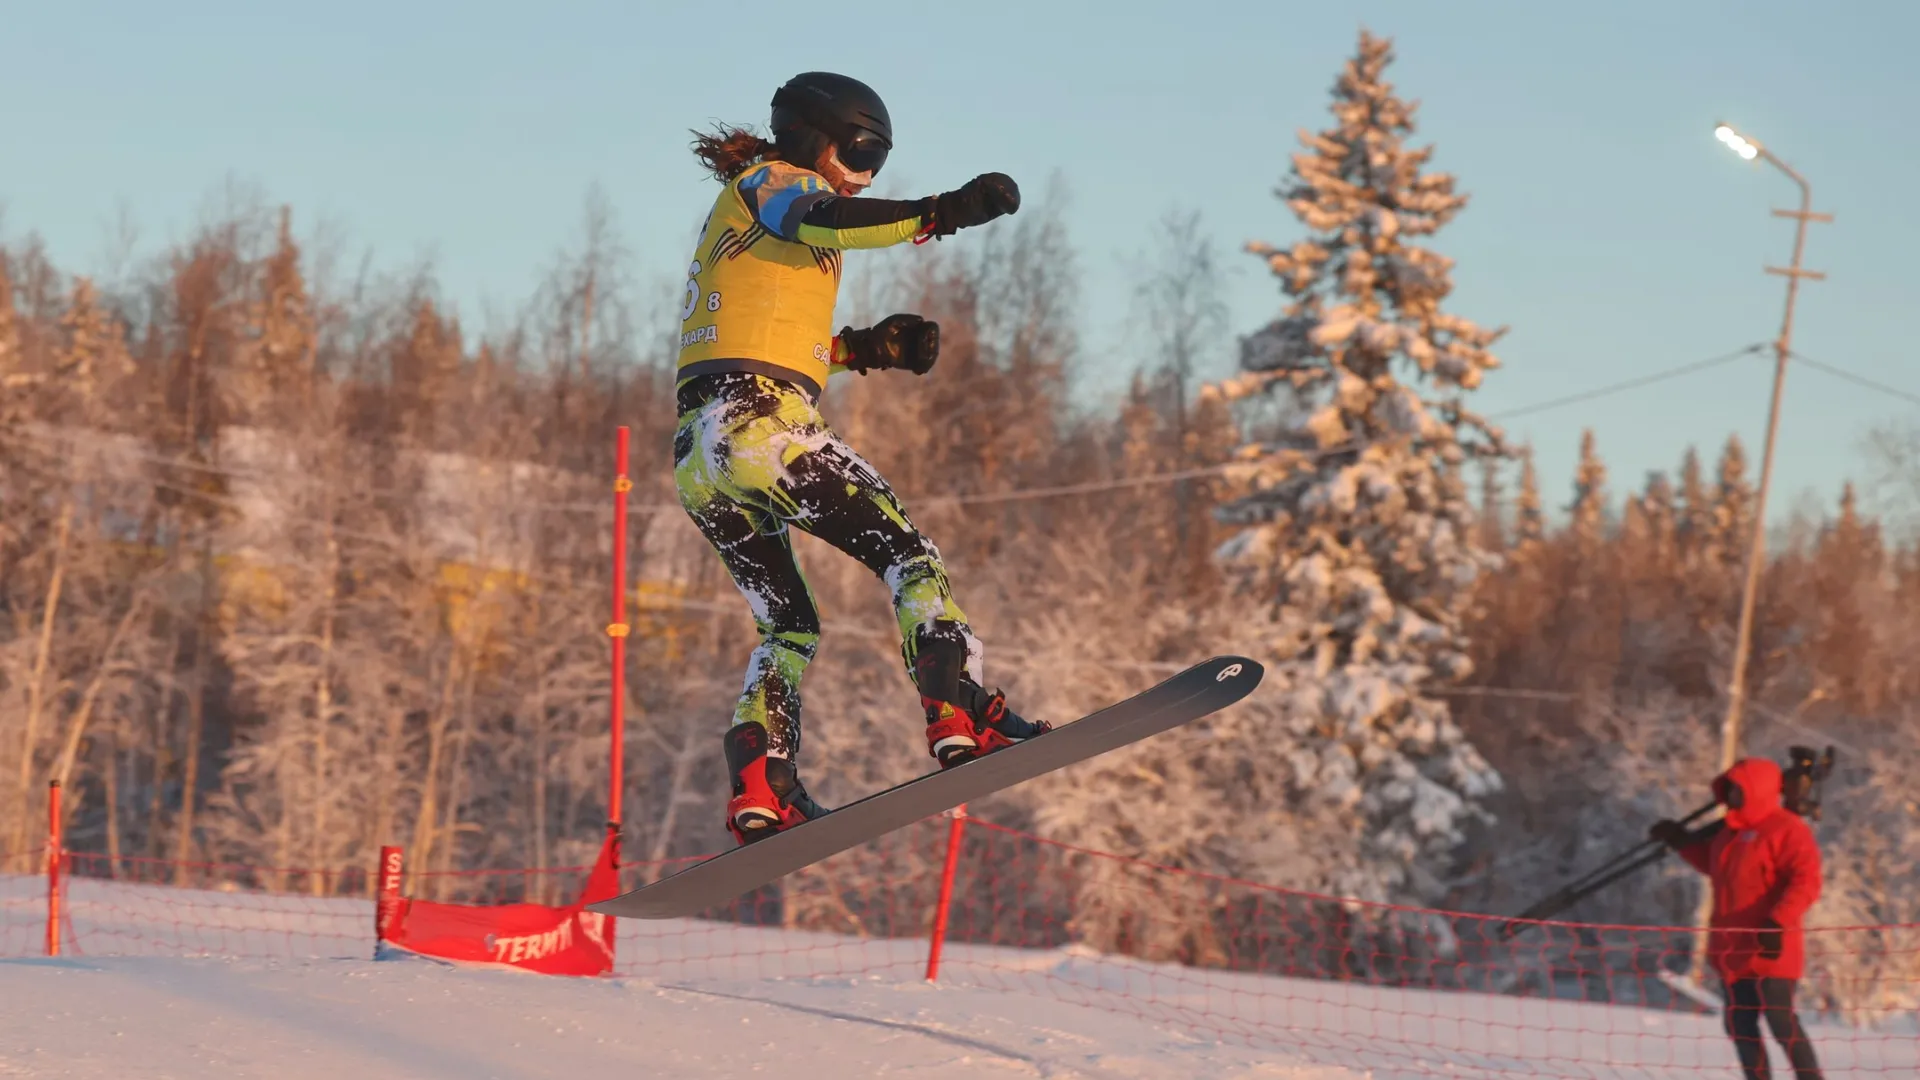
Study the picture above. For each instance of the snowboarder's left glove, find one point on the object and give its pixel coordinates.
(976, 202)
(897, 341)
(1772, 941)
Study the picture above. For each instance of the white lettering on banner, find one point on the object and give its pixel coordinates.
(708, 334)
(595, 926)
(388, 905)
(525, 947)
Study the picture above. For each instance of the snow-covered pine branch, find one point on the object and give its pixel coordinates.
(1358, 544)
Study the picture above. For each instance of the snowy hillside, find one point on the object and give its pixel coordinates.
(161, 982)
(169, 1017)
(291, 1020)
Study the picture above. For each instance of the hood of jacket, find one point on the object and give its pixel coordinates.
(1759, 781)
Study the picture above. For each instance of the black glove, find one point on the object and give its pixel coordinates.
(1669, 832)
(976, 202)
(897, 341)
(1772, 941)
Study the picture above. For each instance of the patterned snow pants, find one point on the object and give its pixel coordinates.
(752, 456)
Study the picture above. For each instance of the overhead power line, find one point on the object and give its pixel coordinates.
(1091, 487)
(1150, 479)
(1858, 380)
(1629, 384)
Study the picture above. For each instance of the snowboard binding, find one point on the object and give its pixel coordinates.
(964, 719)
(767, 796)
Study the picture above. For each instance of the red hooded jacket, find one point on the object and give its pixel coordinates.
(1764, 867)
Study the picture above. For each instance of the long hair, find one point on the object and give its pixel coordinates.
(728, 151)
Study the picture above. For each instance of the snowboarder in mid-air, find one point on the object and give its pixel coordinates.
(753, 456)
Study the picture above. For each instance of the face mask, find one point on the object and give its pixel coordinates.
(1729, 793)
(849, 180)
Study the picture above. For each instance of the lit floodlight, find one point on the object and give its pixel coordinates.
(1737, 142)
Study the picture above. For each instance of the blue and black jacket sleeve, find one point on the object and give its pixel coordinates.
(806, 211)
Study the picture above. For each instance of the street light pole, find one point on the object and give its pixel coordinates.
(1756, 544)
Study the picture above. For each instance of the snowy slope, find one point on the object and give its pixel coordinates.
(179, 1018)
(163, 982)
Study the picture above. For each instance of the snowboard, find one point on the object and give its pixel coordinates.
(1196, 692)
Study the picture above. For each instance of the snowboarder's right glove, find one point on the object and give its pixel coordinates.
(975, 202)
(1669, 832)
(897, 341)
(1771, 940)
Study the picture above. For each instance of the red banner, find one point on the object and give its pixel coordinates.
(532, 937)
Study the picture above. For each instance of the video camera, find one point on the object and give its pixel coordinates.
(1800, 781)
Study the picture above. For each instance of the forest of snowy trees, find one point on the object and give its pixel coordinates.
(293, 565)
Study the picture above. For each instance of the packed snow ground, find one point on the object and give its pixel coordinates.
(163, 982)
(165, 1017)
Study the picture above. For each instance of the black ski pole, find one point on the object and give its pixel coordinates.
(1559, 902)
(1593, 878)
(1627, 862)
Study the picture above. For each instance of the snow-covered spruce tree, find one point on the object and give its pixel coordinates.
(1357, 536)
(1530, 522)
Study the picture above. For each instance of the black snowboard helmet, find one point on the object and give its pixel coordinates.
(819, 109)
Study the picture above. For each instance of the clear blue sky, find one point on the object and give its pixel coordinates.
(1607, 227)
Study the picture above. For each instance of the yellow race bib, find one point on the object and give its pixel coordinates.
(754, 301)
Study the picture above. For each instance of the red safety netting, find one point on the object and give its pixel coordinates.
(1401, 990)
(23, 904)
(158, 907)
(864, 912)
(1393, 988)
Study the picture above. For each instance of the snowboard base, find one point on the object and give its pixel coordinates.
(1200, 690)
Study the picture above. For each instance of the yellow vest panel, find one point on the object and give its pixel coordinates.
(752, 296)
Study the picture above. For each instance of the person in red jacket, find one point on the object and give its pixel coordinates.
(1764, 868)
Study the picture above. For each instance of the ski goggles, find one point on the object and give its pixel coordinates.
(864, 153)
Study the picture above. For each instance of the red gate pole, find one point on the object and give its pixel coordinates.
(55, 857)
(955, 836)
(617, 630)
(386, 906)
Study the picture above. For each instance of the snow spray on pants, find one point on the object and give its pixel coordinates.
(751, 457)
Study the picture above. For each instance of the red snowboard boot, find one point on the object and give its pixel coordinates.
(964, 719)
(767, 796)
